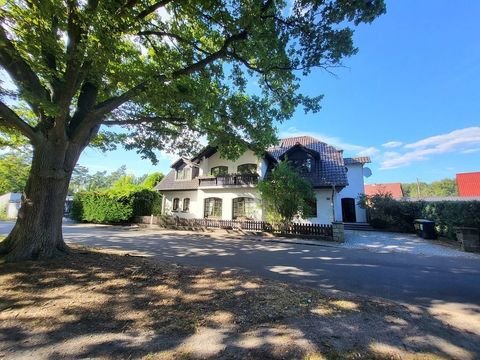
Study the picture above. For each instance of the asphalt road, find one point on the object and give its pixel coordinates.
(409, 278)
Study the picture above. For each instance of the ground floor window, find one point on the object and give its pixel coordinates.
(176, 204)
(213, 208)
(243, 208)
(312, 208)
(186, 205)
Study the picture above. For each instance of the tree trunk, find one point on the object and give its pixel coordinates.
(38, 231)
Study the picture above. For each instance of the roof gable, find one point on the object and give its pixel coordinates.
(331, 169)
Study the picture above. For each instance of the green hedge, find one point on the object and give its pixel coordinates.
(389, 214)
(107, 207)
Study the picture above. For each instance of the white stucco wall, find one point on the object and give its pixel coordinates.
(168, 197)
(324, 208)
(197, 201)
(10, 204)
(354, 188)
(248, 157)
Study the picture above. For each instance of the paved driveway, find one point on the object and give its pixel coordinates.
(384, 242)
(405, 276)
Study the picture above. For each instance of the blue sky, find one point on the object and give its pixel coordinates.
(410, 98)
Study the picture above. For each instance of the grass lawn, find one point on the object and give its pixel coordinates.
(108, 305)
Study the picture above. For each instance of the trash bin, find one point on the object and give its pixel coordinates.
(425, 228)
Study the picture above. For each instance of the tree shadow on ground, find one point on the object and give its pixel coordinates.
(94, 304)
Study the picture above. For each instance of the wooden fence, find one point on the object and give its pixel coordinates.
(316, 230)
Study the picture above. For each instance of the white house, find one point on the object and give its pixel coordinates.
(9, 204)
(208, 186)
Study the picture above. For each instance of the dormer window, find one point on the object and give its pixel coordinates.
(219, 171)
(301, 158)
(303, 166)
(183, 174)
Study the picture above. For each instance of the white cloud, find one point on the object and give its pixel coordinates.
(370, 151)
(392, 144)
(471, 151)
(458, 141)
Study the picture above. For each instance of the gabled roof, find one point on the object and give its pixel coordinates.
(357, 160)
(330, 172)
(394, 189)
(468, 184)
(169, 183)
(332, 168)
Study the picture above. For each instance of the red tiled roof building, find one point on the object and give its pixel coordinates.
(394, 189)
(468, 184)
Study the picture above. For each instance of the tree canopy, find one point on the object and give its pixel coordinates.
(168, 71)
(445, 187)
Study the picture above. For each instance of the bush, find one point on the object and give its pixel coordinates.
(386, 213)
(110, 206)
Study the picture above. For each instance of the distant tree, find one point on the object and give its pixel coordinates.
(14, 170)
(286, 194)
(445, 187)
(81, 179)
(152, 179)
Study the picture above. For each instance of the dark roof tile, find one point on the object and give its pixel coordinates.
(169, 183)
(332, 168)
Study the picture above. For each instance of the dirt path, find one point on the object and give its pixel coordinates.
(106, 305)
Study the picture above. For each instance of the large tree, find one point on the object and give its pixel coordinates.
(166, 71)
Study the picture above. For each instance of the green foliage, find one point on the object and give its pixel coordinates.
(152, 179)
(3, 216)
(82, 180)
(115, 205)
(445, 187)
(387, 213)
(101, 208)
(286, 194)
(170, 71)
(14, 170)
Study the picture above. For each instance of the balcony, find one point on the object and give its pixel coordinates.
(229, 180)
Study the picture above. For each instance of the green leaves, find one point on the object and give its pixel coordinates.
(286, 194)
(14, 169)
(172, 71)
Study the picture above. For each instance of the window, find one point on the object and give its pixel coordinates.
(176, 204)
(186, 205)
(219, 170)
(303, 166)
(312, 209)
(213, 208)
(183, 174)
(243, 208)
(247, 169)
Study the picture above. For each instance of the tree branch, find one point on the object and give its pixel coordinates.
(147, 119)
(22, 73)
(173, 36)
(113, 103)
(12, 120)
(152, 8)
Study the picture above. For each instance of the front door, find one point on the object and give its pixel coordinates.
(348, 210)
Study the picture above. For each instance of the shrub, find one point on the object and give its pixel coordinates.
(146, 202)
(113, 206)
(386, 213)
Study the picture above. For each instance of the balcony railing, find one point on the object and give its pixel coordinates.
(229, 179)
